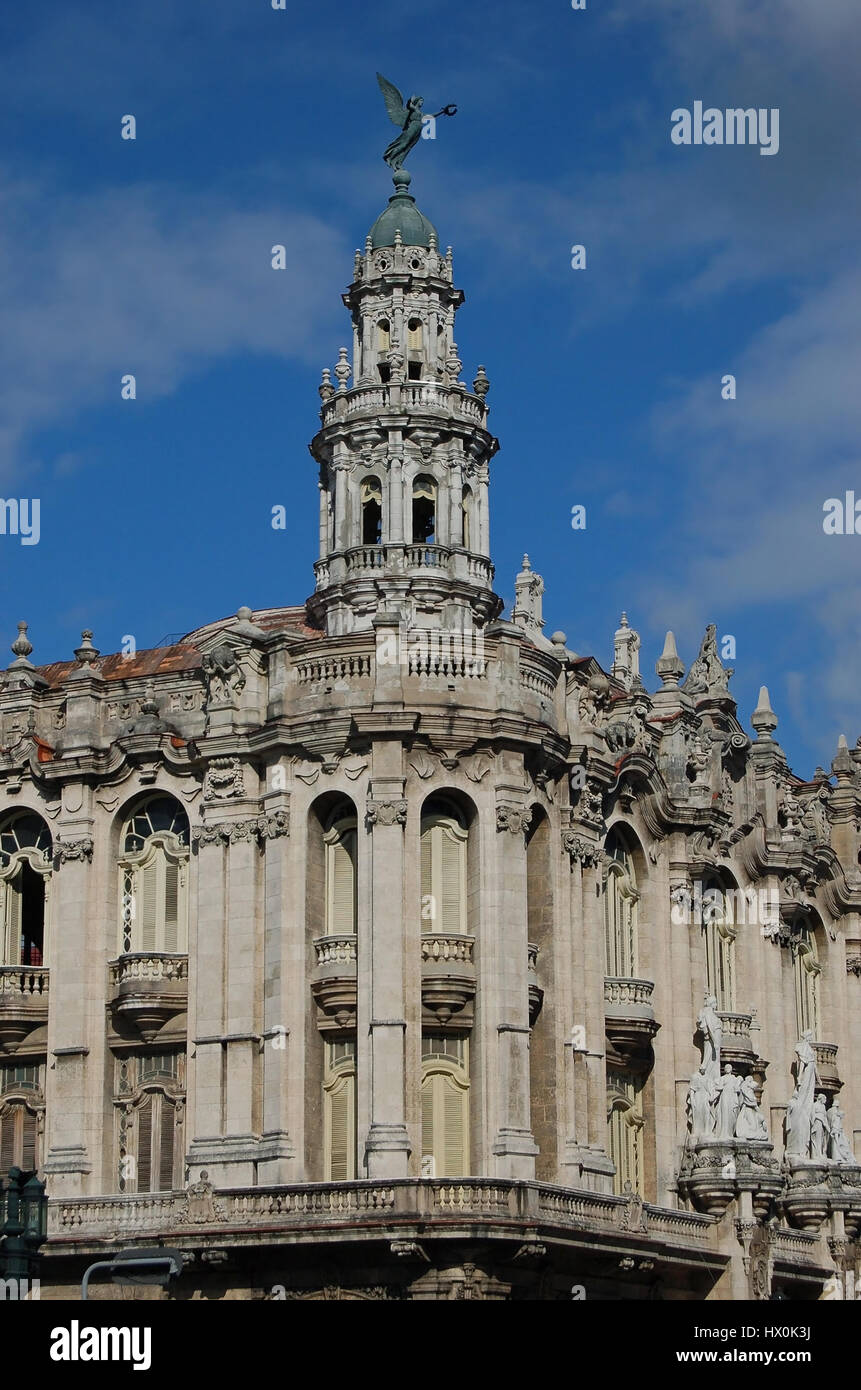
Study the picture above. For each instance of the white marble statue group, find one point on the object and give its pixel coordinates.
(721, 1105)
(812, 1130)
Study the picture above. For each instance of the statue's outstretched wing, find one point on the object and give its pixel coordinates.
(394, 102)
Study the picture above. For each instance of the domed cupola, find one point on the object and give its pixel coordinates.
(402, 216)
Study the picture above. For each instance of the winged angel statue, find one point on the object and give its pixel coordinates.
(408, 118)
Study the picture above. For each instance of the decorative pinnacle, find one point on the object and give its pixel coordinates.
(86, 653)
(526, 565)
(481, 385)
(669, 666)
(326, 389)
(842, 765)
(764, 719)
(357, 264)
(148, 704)
(22, 647)
(343, 371)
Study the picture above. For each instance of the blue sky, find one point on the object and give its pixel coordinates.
(257, 127)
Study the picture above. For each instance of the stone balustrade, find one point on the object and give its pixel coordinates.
(156, 965)
(23, 1001)
(442, 948)
(621, 991)
(414, 396)
(332, 949)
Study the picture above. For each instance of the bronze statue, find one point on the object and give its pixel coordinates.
(408, 118)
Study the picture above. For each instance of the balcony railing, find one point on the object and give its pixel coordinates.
(622, 991)
(629, 1018)
(443, 948)
(23, 1001)
(448, 977)
(333, 983)
(147, 988)
(416, 396)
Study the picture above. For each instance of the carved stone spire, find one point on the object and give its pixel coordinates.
(21, 671)
(764, 719)
(626, 654)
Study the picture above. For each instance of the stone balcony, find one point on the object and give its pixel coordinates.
(431, 398)
(828, 1077)
(366, 561)
(147, 988)
(411, 1209)
(736, 1044)
(23, 1003)
(629, 1018)
(448, 978)
(333, 983)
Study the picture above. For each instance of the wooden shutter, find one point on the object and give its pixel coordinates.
(7, 1141)
(166, 1144)
(427, 861)
(454, 1127)
(148, 906)
(341, 1102)
(14, 906)
(144, 1123)
(343, 885)
(451, 885)
(28, 1144)
(427, 1121)
(171, 906)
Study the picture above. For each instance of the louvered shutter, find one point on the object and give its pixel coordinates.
(454, 1128)
(427, 1122)
(343, 886)
(451, 861)
(144, 1122)
(7, 1142)
(14, 920)
(148, 906)
(28, 1146)
(166, 1144)
(171, 906)
(341, 1101)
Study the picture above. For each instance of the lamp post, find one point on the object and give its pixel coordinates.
(24, 1214)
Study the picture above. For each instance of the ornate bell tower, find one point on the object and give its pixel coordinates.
(404, 451)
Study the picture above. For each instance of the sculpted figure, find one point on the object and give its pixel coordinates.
(711, 1029)
(700, 1096)
(819, 1129)
(839, 1148)
(728, 1103)
(750, 1123)
(799, 1112)
(408, 117)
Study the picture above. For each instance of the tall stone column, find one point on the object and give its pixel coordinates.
(387, 1147)
(283, 1006)
(514, 1146)
(75, 1100)
(596, 1160)
(207, 915)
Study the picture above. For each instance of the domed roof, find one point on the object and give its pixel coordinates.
(403, 215)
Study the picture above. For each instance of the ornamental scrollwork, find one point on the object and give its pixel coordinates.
(513, 818)
(65, 851)
(386, 813)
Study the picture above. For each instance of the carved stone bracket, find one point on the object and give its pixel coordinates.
(581, 851)
(253, 828)
(385, 813)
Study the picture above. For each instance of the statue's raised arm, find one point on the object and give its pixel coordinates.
(408, 117)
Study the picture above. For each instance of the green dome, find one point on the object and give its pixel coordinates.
(402, 214)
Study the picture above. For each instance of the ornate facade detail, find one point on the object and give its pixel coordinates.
(224, 780)
(386, 812)
(584, 852)
(513, 818)
(67, 851)
(223, 674)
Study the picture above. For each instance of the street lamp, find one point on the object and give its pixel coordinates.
(24, 1213)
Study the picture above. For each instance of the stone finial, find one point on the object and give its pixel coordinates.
(86, 654)
(245, 627)
(343, 371)
(357, 264)
(668, 665)
(22, 647)
(481, 384)
(433, 243)
(369, 245)
(453, 364)
(626, 654)
(399, 241)
(764, 719)
(326, 389)
(842, 765)
(148, 703)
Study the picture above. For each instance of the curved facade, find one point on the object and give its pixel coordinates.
(382, 948)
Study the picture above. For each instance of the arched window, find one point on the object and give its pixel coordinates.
(25, 877)
(445, 1106)
(807, 971)
(154, 878)
(22, 1107)
(443, 870)
(424, 511)
(719, 932)
(624, 1132)
(466, 508)
(620, 911)
(341, 841)
(150, 1106)
(372, 511)
(384, 338)
(339, 1112)
(415, 343)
